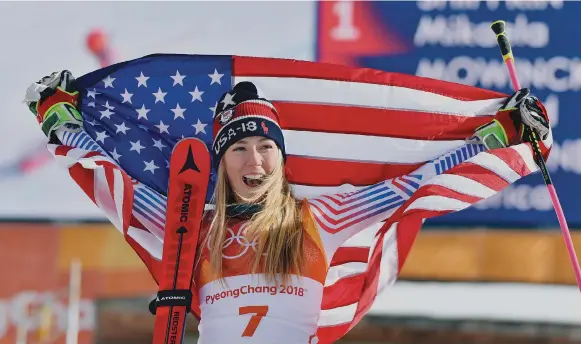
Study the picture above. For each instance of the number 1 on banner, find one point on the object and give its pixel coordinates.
(259, 312)
(345, 30)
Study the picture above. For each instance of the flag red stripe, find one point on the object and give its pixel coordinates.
(369, 293)
(335, 295)
(85, 179)
(110, 177)
(349, 255)
(321, 172)
(512, 159)
(258, 66)
(378, 122)
(127, 200)
(479, 174)
(92, 154)
(407, 231)
(62, 150)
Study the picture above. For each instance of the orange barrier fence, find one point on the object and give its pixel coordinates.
(492, 256)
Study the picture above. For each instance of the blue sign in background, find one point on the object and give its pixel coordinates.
(453, 41)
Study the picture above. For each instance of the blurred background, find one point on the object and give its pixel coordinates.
(495, 273)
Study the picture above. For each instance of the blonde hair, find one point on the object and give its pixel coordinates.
(278, 226)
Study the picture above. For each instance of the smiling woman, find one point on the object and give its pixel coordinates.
(250, 154)
(270, 265)
(248, 162)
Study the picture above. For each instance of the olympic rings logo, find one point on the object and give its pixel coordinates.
(237, 240)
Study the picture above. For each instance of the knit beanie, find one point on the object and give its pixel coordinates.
(241, 113)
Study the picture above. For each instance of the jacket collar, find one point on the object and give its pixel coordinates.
(242, 209)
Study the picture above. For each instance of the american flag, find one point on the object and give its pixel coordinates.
(344, 127)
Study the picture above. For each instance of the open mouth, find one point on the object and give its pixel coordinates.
(253, 180)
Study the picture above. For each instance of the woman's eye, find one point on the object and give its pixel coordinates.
(239, 149)
(269, 146)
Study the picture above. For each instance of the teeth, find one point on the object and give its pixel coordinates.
(253, 176)
(253, 180)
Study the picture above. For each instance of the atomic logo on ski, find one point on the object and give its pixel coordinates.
(185, 209)
(190, 164)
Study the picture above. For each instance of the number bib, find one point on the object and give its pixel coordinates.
(250, 310)
(246, 309)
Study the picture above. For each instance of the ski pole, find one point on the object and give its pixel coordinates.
(506, 51)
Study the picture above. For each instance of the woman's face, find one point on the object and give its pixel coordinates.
(248, 161)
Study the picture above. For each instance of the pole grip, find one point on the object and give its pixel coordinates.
(503, 43)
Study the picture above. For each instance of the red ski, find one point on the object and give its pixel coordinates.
(189, 172)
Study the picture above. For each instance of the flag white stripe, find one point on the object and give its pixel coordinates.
(66, 160)
(461, 184)
(77, 153)
(91, 163)
(52, 148)
(306, 191)
(437, 203)
(338, 315)
(496, 165)
(321, 91)
(103, 197)
(388, 267)
(146, 240)
(365, 147)
(118, 195)
(337, 272)
(365, 238)
(549, 140)
(525, 152)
